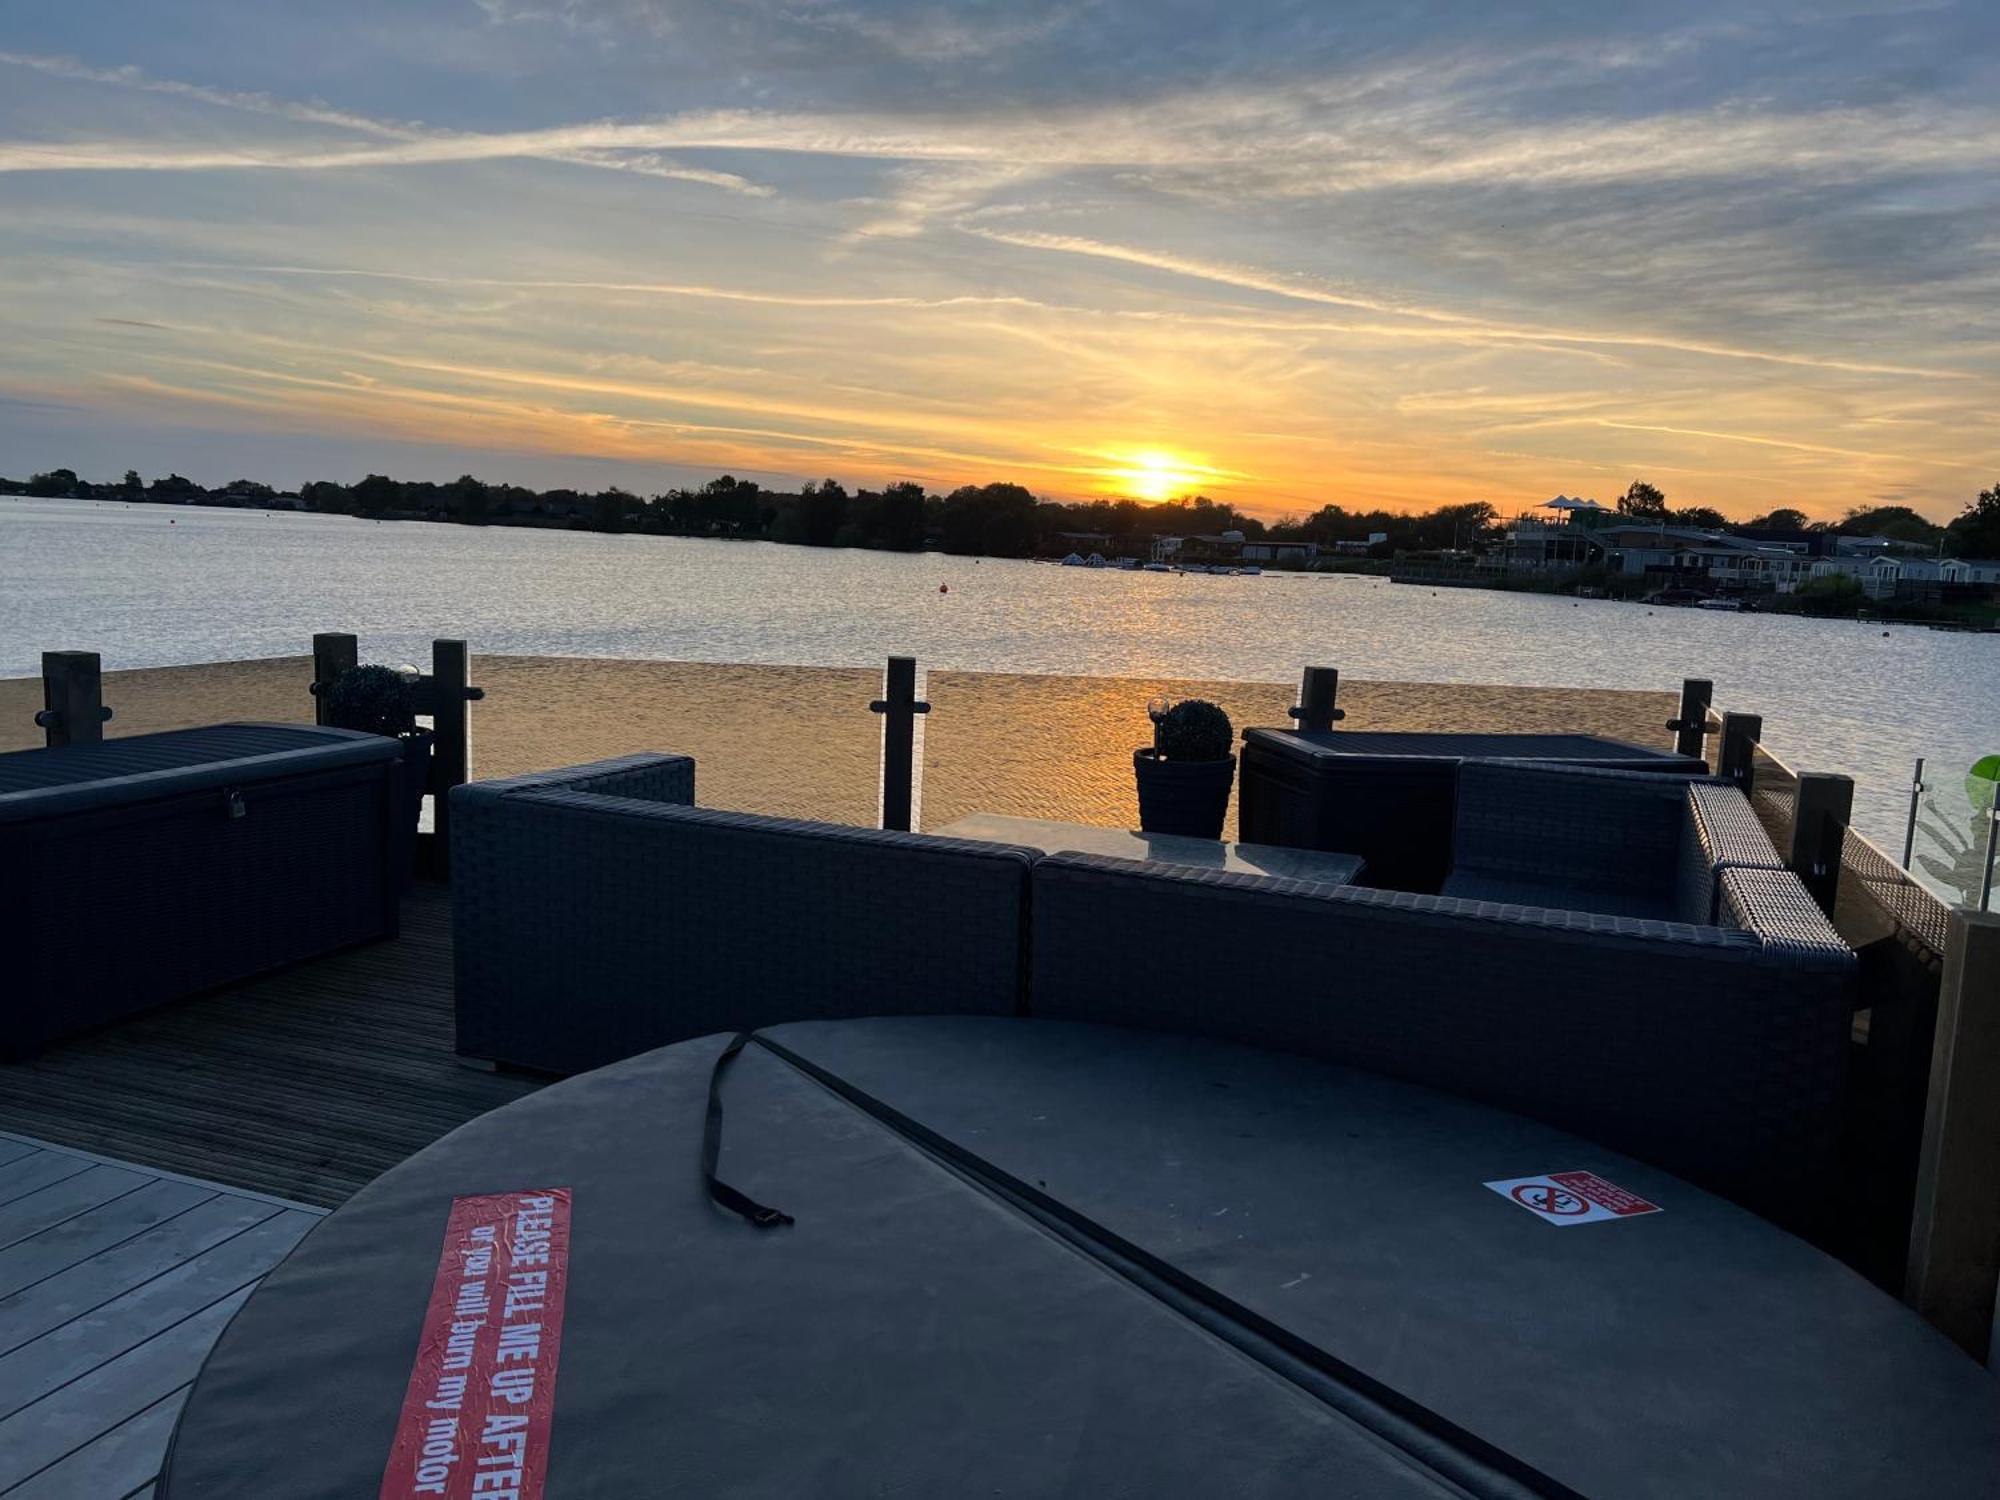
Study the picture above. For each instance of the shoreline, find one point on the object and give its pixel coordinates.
(1978, 618)
(800, 742)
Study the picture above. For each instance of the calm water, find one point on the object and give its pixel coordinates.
(152, 586)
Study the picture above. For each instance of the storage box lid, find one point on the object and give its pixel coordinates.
(1314, 745)
(36, 783)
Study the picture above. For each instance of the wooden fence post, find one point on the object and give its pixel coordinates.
(1318, 690)
(1690, 725)
(1740, 734)
(73, 711)
(451, 748)
(1822, 806)
(899, 707)
(1955, 1232)
(332, 655)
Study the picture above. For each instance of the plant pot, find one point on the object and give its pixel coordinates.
(1189, 797)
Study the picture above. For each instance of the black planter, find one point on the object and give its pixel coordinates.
(1188, 797)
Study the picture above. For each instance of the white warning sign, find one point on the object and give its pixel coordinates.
(1573, 1198)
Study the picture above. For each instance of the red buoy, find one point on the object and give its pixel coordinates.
(944, 588)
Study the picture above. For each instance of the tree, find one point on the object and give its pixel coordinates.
(996, 519)
(725, 506)
(615, 508)
(1460, 527)
(57, 484)
(1830, 594)
(1897, 522)
(1701, 518)
(1643, 502)
(174, 487)
(900, 521)
(132, 484)
(1784, 518)
(325, 495)
(468, 498)
(375, 494)
(1976, 531)
(822, 512)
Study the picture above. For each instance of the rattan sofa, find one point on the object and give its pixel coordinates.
(598, 913)
(1579, 839)
(150, 867)
(1388, 797)
(1714, 1050)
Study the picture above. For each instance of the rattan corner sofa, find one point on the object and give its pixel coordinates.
(1388, 797)
(1618, 953)
(598, 913)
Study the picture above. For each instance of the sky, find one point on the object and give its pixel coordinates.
(1381, 253)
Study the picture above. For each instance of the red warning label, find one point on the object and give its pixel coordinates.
(1573, 1197)
(477, 1414)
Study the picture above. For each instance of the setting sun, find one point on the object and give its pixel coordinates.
(1153, 475)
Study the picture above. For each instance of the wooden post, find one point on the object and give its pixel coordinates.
(451, 747)
(1690, 725)
(1318, 691)
(899, 706)
(332, 655)
(1955, 1231)
(73, 711)
(1740, 734)
(1822, 806)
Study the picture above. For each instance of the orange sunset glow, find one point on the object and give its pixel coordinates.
(1338, 262)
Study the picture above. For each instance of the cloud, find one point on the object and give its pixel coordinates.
(926, 31)
(639, 288)
(1458, 325)
(129, 77)
(1330, 246)
(416, 145)
(1270, 142)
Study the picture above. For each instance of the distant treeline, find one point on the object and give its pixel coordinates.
(994, 520)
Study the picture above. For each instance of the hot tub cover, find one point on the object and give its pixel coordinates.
(1033, 1258)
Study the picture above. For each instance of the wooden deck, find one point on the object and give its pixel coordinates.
(114, 1282)
(303, 1085)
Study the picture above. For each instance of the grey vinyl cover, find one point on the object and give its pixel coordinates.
(47, 783)
(1310, 746)
(1347, 1311)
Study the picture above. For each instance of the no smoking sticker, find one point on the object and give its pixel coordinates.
(1573, 1198)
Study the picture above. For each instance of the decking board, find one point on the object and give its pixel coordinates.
(115, 1286)
(61, 1201)
(75, 1415)
(62, 1246)
(304, 1084)
(112, 1463)
(152, 1172)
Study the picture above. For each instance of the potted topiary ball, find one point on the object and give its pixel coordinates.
(378, 700)
(1185, 775)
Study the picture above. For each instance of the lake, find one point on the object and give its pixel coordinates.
(149, 585)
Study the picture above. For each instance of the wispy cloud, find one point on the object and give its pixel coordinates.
(130, 77)
(638, 288)
(1392, 254)
(415, 145)
(1462, 325)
